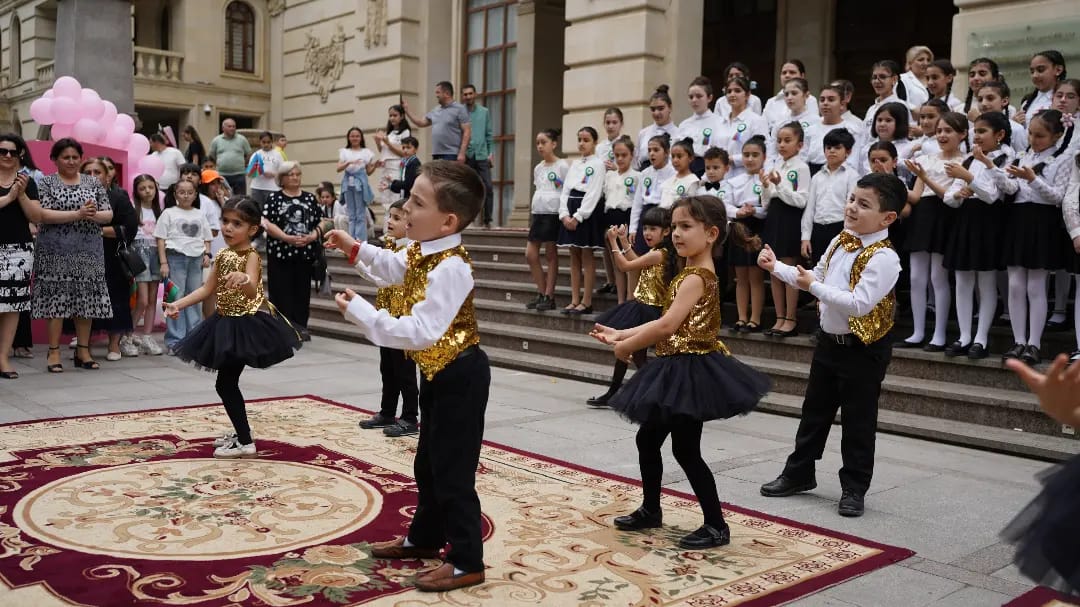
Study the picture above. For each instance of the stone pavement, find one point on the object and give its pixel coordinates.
(946, 503)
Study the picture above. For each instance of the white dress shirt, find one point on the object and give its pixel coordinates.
(620, 189)
(703, 129)
(548, 193)
(814, 142)
(903, 152)
(954, 103)
(1043, 100)
(723, 108)
(934, 165)
(735, 132)
(585, 175)
(807, 119)
(678, 187)
(365, 271)
(829, 193)
(855, 125)
(1048, 188)
(641, 152)
(868, 121)
(605, 151)
(776, 110)
(982, 184)
(742, 189)
(833, 287)
(794, 186)
(448, 285)
(652, 183)
(1070, 203)
(917, 93)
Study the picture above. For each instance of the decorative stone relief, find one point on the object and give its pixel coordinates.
(323, 64)
(375, 25)
(276, 7)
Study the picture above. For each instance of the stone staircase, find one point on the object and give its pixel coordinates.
(970, 403)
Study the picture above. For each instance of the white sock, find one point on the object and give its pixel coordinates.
(920, 274)
(1036, 294)
(988, 297)
(939, 276)
(1018, 304)
(458, 571)
(965, 294)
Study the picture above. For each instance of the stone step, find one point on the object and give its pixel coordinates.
(1005, 440)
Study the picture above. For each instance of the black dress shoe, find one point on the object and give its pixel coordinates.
(904, 344)
(933, 348)
(784, 486)
(706, 536)
(1016, 351)
(599, 401)
(607, 288)
(639, 519)
(546, 303)
(957, 349)
(978, 352)
(1031, 356)
(851, 504)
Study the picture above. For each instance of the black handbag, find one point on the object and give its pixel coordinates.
(130, 260)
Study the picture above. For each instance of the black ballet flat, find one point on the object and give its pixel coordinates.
(89, 365)
(738, 326)
(639, 519)
(57, 367)
(957, 349)
(933, 348)
(905, 344)
(977, 352)
(9, 374)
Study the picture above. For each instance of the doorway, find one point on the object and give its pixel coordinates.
(740, 30)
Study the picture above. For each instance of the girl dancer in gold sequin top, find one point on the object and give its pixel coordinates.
(239, 333)
(694, 378)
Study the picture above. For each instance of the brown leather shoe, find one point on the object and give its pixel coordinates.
(395, 549)
(443, 579)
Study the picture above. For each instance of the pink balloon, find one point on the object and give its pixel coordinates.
(108, 117)
(41, 111)
(139, 146)
(66, 86)
(59, 131)
(49, 94)
(64, 110)
(125, 121)
(117, 138)
(87, 131)
(90, 105)
(152, 166)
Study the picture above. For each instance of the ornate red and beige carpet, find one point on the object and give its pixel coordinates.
(131, 509)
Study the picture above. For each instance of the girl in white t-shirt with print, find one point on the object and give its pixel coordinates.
(388, 142)
(146, 284)
(183, 242)
(356, 162)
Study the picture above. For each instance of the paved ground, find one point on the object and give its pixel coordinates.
(946, 503)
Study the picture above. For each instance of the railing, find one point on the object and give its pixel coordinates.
(46, 73)
(156, 64)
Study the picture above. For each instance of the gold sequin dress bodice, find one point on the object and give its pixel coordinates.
(463, 332)
(392, 298)
(651, 289)
(698, 333)
(879, 321)
(233, 302)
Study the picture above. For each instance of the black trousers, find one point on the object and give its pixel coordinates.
(290, 288)
(448, 510)
(820, 237)
(483, 169)
(847, 378)
(686, 447)
(228, 388)
(398, 377)
(237, 183)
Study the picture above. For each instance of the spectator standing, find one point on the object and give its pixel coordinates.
(451, 130)
(478, 154)
(196, 152)
(264, 182)
(230, 153)
(279, 147)
(171, 157)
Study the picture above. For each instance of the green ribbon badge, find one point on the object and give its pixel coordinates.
(648, 185)
(629, 183)
(705, 136)
(588, 173)
(793, 177)
(681, 190)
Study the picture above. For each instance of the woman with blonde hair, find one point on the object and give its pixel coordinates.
(916, 60)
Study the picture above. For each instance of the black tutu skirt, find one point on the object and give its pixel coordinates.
(589, 233)
(629, 314)
(1034, 237)
(738, 256)
(258, 340)
(1047, 532)
(976, 238)
(783, 229)
(698, 386)
(929, 226)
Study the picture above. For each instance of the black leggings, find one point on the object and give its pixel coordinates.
(228, 388)
(621, 367)
(686, 446)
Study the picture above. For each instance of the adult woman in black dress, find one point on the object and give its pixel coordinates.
(18, 209)
(195, 153)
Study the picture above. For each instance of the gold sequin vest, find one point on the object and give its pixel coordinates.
(879, 321)
(651, 288)
(463, 331)
(233, 302)
(698, 333)
(392, 298)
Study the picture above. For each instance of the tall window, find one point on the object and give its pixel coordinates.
(490, 64)
(240, 37)
(16, 49)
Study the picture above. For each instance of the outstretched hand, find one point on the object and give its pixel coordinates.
(338, 239)
(805, 279)
(604, 335)
(342, 299)
(1058, 390)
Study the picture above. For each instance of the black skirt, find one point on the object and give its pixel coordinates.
(1033, 239)
(543, 227)
(629, 314)
(976, 240)
(1046, 532)
(821, 236)
(258, 340)
(616, 217)
(639, 235)
(738, 256)
(929, 226)
(783, 229)
(589, 234)
(699, 386)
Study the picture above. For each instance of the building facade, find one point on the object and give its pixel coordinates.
(314, 68)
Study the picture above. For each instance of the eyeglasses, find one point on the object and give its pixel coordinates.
(8, 152)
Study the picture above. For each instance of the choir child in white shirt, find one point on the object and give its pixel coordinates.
(796, 93)
(581, 211)
(939, 80)
(928, 114)
(980, 71)
(974, 250)
(885, 81)
(742, 197)
(917, 59)
(548, 178)
(823, 218)
(438, 329)
(786, 186)
(930, 230)
(855, 125)
(854, 284)
(1047, 69)
(613, 124)
(684, 183)
(717, 164)
(1070, 210)
(740, 124)
(777, 109)
(660, 110)
(892, 124)
(620, 188)
(831, 109)
(653, 178)
(703, 126)
(993, 96)
(1067, 101)
(1033, 244)
(737, 69)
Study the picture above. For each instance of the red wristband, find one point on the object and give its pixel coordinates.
(354, 253)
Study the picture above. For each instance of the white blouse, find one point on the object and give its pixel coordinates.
(734, 132)
(678, 187)
(548, 180)
(743, 189)
(641, 152)
(1048, 188)
(703, 129)
(794, 184)
(648, 194)
(585, 175)
(620, 189)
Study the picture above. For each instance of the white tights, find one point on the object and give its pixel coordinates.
(1027, 305)
(925, 266)
(965, 293)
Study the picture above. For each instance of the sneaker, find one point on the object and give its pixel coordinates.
(148, 346)
(546, 303)
(377, 421)
(403, 427)
(170, 351)
(224, 439)
(128, 347)
(235, 450)
(113, 356)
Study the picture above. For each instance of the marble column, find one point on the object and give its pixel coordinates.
(93, 44)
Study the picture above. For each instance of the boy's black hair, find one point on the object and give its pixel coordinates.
(720, 154)
(410, 140)
(839, 136)
(458, 189)
(891, 192)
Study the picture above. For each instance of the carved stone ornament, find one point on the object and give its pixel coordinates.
(276, 7)
(323, 64)
(375, 25)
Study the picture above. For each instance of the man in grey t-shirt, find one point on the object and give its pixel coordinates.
(449, 122)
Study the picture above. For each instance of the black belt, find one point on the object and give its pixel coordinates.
(847, 340)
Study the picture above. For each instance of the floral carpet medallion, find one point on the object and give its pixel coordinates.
(130, 509)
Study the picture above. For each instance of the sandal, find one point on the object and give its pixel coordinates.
(89, 365)
(739, 326)
(751, 327)
(54, 367)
